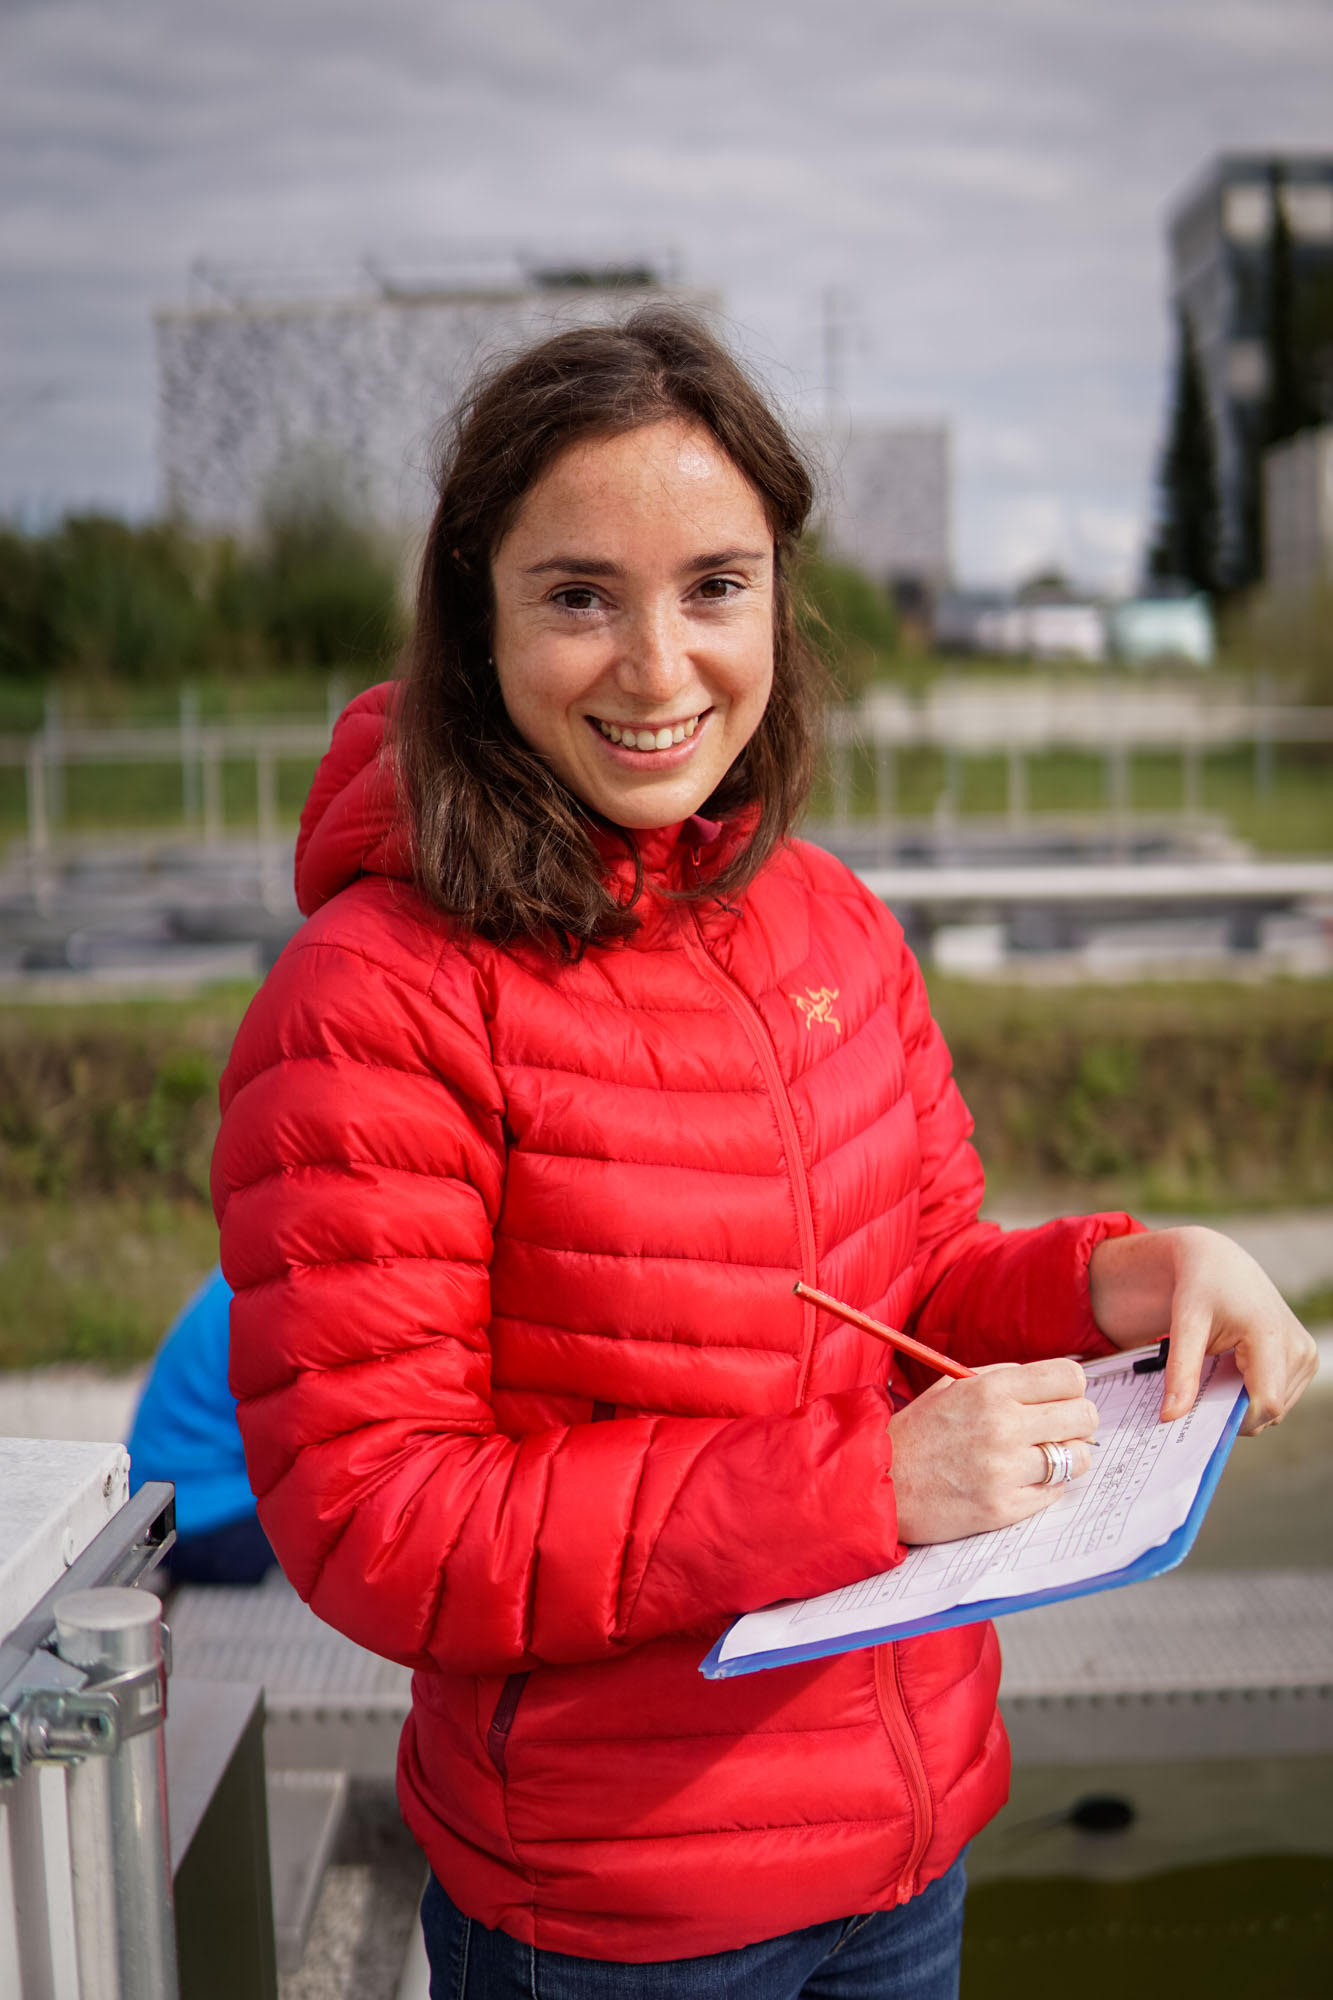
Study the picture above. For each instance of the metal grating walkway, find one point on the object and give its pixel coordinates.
(1210, 1664)
(1218, 1664)
(267, 1635)
(1216, 1630)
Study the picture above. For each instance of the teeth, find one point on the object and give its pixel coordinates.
(649, 739)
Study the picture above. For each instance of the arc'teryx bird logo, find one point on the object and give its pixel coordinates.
(816, 1005)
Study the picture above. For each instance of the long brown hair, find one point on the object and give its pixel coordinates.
(498, 840)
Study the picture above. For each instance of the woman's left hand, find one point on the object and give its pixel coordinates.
(1212, 1298)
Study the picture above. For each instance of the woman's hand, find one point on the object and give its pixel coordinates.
(967, 1456)
(1212, 1298)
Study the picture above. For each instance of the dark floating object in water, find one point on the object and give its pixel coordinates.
(1101, 1812)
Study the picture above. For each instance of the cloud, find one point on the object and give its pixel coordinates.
(986, 185)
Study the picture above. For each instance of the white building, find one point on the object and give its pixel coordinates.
(888, 504)
(1147, 631)
(1298, 511)
(264, 398)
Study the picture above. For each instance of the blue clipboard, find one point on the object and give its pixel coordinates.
(1153, 1562)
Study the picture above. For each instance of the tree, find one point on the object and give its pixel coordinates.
(1186, 543)
(849, 620)
(1288, 407)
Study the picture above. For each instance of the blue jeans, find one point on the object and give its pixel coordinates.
(910, 1953)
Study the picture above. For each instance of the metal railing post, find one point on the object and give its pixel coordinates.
(266, 819)
(53, 731)
(886, 794)
(39, 824)
(189, 740)
(1017, 787)
(212, 763)
(119, 1850)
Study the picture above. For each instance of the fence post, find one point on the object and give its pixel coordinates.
(1117, 779)
(266, 803)
(953, 782)
(119, 1851)
(39, 825)
(886, 794)
(335, 698)
(212, 762)
(1263, 739)
(840, 767)
(1190, 773)
(189, 736)
(1018, 787)
(54, 730)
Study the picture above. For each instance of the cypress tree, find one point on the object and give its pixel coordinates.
(1287, 409)
(1185, 547)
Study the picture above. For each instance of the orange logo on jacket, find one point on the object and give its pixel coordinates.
(816, 1004)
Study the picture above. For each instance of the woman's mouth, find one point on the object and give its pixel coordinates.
(664, 737)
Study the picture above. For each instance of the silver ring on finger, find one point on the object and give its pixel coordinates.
(1059, 1464)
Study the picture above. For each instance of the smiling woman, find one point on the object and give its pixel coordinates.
(577, 1066)
(613, 556)
(641, 669)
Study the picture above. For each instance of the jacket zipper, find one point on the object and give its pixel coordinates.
(506, 1708)
(888, 1686)
(497, 1736)
(907, 1748)
(762, 1043)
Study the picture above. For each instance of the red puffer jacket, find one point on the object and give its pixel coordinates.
(529, 1404)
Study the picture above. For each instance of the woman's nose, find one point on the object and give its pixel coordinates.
(654, 661)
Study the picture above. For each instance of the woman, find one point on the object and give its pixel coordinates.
(577, 1065)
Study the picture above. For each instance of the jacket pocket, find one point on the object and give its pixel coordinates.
(502, 1721)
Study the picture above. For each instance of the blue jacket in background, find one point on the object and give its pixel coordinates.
(185, 1426)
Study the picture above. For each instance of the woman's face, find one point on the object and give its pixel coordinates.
(634, 620)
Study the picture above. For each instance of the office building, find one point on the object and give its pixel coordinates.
(1298, 512)
(1224, 280)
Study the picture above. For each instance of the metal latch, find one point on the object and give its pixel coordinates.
(53, 1724)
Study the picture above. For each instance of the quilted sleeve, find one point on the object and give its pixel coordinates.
(983, 1293)
(357, 1180)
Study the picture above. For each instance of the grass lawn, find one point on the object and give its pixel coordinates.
(99, 1279)
(1291, 814)
(1193, 1099)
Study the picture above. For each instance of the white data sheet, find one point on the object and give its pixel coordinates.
(1144, 1479)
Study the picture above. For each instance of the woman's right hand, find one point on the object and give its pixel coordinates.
(966, 1454)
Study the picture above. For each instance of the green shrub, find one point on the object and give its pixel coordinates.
(851, 622)
(101, 600)
(326, 595)
(1190, 1097)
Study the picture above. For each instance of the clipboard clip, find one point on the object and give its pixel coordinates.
(1153, 1364)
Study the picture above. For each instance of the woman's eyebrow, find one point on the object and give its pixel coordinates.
(604, 566)
(582, 565)
(724, 558)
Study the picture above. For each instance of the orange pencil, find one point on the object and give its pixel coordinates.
(902, 1341)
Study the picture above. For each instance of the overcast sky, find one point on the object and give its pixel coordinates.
(985, 183)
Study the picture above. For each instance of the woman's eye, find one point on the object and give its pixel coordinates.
(719, 588)
(576, 597)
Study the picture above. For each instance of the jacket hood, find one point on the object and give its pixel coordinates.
(352, 823)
